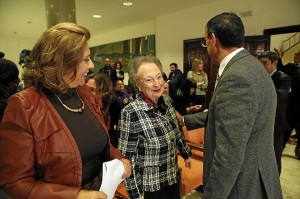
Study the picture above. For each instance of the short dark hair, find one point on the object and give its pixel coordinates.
(174, 64)
(2, 55)
(228, 28)
(270, 55)
(8, 71)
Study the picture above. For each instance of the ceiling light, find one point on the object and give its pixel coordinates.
(127, 3)
(97, 16)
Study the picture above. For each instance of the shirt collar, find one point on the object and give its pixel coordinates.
(225, 61)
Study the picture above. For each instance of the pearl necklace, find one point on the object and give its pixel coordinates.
(75, 110)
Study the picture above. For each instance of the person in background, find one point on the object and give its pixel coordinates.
(53, 139)
(9, 82)
(294, 121)
(150, 135)
(288, 68)
(121, 100)
(131, 90)
(239, 160)
(166, 86)
(109, 70)
(102, 87)
(184, 98)
(282, 83)
(118, 67)
(293, 111)
(197, 73)
(121, 92)
(175, 78)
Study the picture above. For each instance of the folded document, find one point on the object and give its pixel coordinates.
(111, 177)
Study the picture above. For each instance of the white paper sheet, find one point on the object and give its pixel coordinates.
(111, 177)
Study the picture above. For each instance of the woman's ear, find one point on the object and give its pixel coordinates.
(138, 86)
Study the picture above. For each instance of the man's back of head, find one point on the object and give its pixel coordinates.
(228, 28)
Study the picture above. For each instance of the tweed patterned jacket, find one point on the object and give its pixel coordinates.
(149, 139)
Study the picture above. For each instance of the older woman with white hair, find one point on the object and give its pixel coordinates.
(150, 135)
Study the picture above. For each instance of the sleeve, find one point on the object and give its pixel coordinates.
(189, 75)
(182, 147)
(204, 86)
(128, 144)
(196, 120)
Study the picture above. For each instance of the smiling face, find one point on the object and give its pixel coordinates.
(82, 69)
(150, 81)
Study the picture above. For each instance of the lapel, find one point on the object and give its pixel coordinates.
(238, 56)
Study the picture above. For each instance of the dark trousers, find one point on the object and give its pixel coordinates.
(294, 123)
(169, 192)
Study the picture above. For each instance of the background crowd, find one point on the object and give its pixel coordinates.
(74, 119)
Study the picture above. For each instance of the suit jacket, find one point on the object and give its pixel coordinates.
(39, 155)
(239, 160)
(110, 71)
(282, 84)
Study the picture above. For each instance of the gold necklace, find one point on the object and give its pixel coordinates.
(75, 110)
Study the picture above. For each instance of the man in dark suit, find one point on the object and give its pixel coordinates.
(175, 78)
(239, 158)
(293, 110)
(282, 84)
(109, 70)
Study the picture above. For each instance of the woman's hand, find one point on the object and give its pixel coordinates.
(188, 163)
(196, 108)
(85, 194)
(141, 197)
(127, 168)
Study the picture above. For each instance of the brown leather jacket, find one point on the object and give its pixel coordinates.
(39, 157)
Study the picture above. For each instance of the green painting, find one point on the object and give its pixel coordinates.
(122, 51)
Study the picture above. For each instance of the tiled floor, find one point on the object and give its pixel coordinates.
(289, 178)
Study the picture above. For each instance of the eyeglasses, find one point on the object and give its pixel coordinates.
(203, 41)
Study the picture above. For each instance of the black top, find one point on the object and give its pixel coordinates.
(88, 133)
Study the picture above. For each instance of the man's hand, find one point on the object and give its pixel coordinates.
(188, 163)
(280, 54)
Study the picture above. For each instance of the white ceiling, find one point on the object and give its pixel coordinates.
(27, 18)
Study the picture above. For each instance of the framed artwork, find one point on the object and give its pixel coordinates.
(122, 51)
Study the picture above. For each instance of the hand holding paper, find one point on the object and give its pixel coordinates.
(111, 177)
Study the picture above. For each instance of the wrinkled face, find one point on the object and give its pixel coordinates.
(150, 81)
(119, 86)
(82, 69)
(92, 84)
(269, 66)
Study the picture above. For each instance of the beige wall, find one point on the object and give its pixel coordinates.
(172, 29)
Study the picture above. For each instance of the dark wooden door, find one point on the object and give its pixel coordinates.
(193, 49)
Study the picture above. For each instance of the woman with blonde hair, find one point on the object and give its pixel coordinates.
(197, 73)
